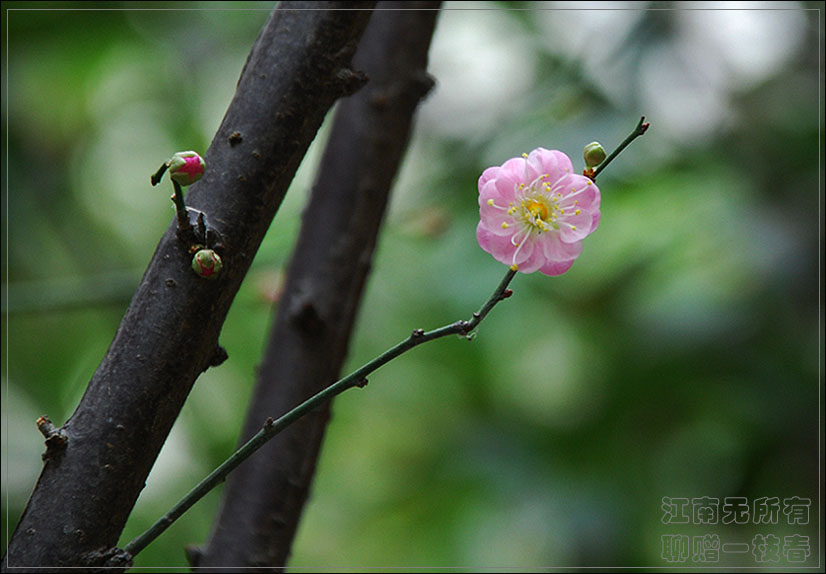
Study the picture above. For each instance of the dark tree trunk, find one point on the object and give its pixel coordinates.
(265, 496)
(297, 68)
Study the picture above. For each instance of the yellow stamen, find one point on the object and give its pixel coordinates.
(514, 267)
(490, 202)
(537, 209)
(505, 225)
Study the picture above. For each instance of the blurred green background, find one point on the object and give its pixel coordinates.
(677, 358)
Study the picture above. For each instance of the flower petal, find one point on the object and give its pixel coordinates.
(495, 216)
(595, 221)
(551, 162)
(514, 168)
(535, 260)
(554, 268)
(555, 249)
(525, 248)
(487, 175)
(508, 179)
(579, 189)
(500, 247)
(575, 227)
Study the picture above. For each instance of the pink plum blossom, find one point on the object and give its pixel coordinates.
(535, 212)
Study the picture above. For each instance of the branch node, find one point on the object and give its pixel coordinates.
(108, 558)
(268, 423)
(193, 554)
(45, 426)
(379, 100)
(362, 382)
(219, 355)
(307, 318)
(350, 81)
(417, 333)
(56, 438)
(420, 84)
(234, 139)
(506, 293)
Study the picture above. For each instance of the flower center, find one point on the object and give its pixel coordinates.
(538, 209)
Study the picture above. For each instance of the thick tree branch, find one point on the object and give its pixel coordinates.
(264, 497)
(297, 68)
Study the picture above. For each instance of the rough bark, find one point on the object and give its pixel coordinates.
(264, 498)
(298, 67)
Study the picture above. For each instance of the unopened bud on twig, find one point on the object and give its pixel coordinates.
(594, 154)
(206, 263)
(186, 167)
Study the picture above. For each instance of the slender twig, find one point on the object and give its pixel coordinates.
(642, 126)
(357, 378)
(156, 177)
(184, 224)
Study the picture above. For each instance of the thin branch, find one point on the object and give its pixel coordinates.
(641, 128)
(357, 378)
(184, 226)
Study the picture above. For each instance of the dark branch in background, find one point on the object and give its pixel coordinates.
(297, 68)
(264, 498)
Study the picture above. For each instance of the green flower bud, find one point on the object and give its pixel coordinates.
(186, 167)
(594, 154)
(206, 263)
